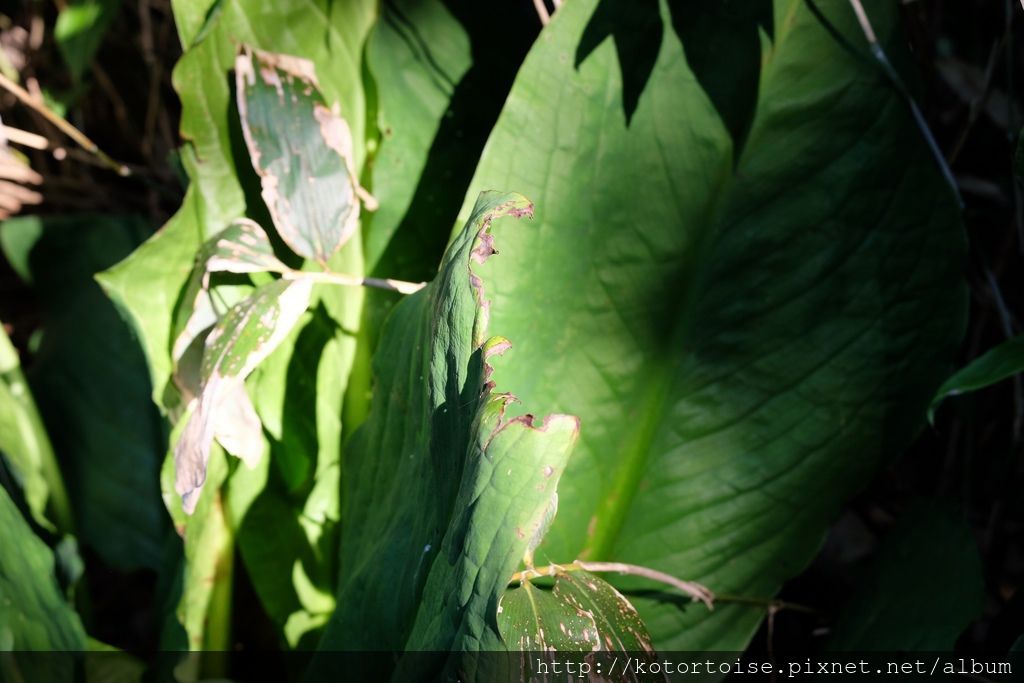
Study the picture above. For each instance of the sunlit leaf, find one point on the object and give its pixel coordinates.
(302, 151)
(242, 247)
(24, 445)
(581, 613)
(745, 330)
(249, 332)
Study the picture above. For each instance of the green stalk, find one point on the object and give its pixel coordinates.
(217, 634)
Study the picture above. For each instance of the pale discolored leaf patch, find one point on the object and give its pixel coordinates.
(249, 332)
(580, 613)
(242, 247)
(302, 150)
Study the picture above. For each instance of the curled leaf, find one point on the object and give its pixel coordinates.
(249, 332)
(242, 247)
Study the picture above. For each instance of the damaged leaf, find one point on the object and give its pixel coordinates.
(302, 151)
(581, 613)
(242, 247)
(441, 489)
(249, 332)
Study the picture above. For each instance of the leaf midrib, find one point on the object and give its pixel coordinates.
(617, 500)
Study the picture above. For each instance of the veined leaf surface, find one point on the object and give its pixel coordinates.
(441, 489)
(745, 331)
(581, 613)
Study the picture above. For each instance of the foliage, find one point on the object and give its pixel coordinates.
(732, 285)
(995, 365)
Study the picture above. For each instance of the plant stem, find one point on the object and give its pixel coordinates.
(65, 127)
(695, 590)
(894, 77)
(542, 12)
(770, 604)
(217, 633)
(356, 281)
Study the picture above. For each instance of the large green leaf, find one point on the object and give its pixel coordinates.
(745, 332)
(417, 54)
(34, 613)
(921, 591)
(441, 490)
(90, 380)
(439, 74)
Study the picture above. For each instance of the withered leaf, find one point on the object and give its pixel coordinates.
(248, 333)
(302, 150)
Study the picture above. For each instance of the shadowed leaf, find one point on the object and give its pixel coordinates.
(33, 612)
(921, 591)
(79, 31)
(995, 365)
(441, 490)
(90, 382)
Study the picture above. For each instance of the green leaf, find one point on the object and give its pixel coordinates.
(923, 588)
(34, 614)
(90, 381)
(302, 150)
(249, 332)
(441, 490)
(79, 31)
(415, 80)
(305, 445)
(744, 341)
(581, 613)
(25, 447)
(993, 366)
